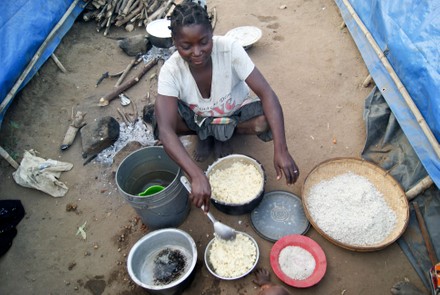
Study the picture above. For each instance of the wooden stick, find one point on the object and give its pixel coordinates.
(105, 100)
(127, 18)
(125, 72)
(8, 158)
(409, 101)
(58, 63)
(367, 81)
(425, 234)
(420, 187)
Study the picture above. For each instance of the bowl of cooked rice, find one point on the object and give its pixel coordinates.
(237, 184)
(232, 259)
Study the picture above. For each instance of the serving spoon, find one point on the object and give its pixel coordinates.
(223, 231)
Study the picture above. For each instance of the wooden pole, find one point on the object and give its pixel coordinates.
(409, 101)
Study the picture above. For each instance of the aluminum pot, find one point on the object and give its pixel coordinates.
(210, 267)
(159, 33)
(142, 257)
(237, 208)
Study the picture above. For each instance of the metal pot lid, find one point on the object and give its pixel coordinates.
(279, 214)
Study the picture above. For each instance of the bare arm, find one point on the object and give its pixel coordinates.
(283, 161)
(167, 120)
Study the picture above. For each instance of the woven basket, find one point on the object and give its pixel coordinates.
(384, 183)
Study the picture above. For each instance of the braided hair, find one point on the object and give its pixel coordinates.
(188, 13)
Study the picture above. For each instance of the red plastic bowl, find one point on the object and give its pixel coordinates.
(307, 244)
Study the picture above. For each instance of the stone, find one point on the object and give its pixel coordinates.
(99, 135)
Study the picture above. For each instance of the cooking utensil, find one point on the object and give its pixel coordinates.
(279, 214)
(211, 269)
(237, 208)
(159, 33)
(151, 190)
(246, 35)
(221, 230)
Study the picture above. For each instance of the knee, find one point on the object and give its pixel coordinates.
(260, 124)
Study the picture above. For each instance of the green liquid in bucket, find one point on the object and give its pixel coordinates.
(156, 178)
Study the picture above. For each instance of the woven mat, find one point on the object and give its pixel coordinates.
(384, 183)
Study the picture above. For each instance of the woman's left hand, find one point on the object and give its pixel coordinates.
(284, 164)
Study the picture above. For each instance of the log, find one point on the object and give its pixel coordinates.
(105, 100)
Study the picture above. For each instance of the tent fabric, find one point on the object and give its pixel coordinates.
(24, 27)
(412, 242)
(409, 36)
(387, 146)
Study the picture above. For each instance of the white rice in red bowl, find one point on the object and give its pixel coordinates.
(298, 261)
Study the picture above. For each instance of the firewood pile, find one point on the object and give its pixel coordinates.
(125, 13)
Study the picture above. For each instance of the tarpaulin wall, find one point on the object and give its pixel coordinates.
(408, 33)
(25, 27)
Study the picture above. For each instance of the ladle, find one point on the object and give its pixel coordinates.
(221, 230)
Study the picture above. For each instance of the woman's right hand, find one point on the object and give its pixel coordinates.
(200, 191)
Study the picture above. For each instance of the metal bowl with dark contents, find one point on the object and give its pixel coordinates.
(159, 33)
(238, 207)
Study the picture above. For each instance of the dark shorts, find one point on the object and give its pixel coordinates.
(223, 128)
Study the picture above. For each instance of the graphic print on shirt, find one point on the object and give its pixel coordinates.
(219, 108)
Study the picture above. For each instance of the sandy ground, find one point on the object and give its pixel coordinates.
(317, 72)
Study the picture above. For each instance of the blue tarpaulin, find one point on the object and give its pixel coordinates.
(30, 31)
(408, 34)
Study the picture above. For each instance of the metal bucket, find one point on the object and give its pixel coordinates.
(152, 166)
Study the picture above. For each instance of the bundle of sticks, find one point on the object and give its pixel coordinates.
(127, 13)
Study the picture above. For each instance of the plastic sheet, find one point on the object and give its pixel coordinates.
(24, 27)
(408, 35)
(387, 146)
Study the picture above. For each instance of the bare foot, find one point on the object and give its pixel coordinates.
(405, 288)
(222, 148)
(203, 149)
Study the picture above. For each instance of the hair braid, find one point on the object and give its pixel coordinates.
(188, 13)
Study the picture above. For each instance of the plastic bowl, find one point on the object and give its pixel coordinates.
(237, 208)
(211, 269)
(307, 244)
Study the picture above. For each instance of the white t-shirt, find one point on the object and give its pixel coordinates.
(231, 65)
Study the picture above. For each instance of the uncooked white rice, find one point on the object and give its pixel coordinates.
(351, 210)
(236, 184)
(296, 262)
(234, 258)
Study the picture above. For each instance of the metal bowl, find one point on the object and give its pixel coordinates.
(140, 262)
(211, 269)
(159, 33)
(237, 208)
